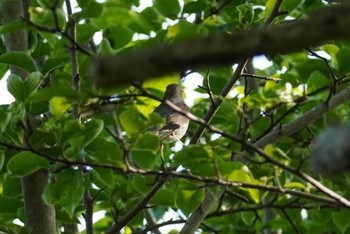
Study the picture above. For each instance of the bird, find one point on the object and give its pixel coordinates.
(176, 124)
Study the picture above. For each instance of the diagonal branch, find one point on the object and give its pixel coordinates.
(304, 120)
(137, 208)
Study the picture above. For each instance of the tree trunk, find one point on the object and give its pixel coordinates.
(39, 216)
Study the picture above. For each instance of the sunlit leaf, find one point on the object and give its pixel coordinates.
(294, 185)
(59, 106)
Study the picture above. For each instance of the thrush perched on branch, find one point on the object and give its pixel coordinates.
(176, 124)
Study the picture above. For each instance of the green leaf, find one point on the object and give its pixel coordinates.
(189, 200)
(9, 205)
(59, 106)
(49, 194)
(85, 32)
(97, 151)
(80, 138)
(255, 194)
(341, 220)
(15, 85)
(12, 186)
(290, 5)
(32, 82)
(25, 163)
(13, 58)
(277, 153)
(142, 184)
(124, 17)
(130, 120)
(2, 159)
(145, 159)
(317, 80)
(246, 13)
(104, 177)
(164, 197)
(52, 21)
(50, 3)
(84, 3)
(118, 36)
(69, 189)
(240, 176)
(92, 10)
(12, 26)
(343, 57)
(20, 88)
(92, 129)
(248, 217)
(295, 185)
(185, 31)
(48, 93)
(3, 69)
(40, 138)
(147, 141)
(191, 156)
(168, 8)
(53, 63)
(105, 47)
(194, 6)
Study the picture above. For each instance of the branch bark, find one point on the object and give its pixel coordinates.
(222, 49)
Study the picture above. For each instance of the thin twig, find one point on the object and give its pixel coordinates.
(276, 80)
(295, 228)
(335, 79)
(60, 32)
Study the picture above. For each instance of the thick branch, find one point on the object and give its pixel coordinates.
(137, 208)
(15, 41)
(199, 215)
(222, 49)
(215, 106)
(307, 118)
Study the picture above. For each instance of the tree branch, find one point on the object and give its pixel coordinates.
(137, 208)
(223, 49)
(198, 215)
(304, 120)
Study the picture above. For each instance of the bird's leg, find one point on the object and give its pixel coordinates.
(162, 156)
(177, 139)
